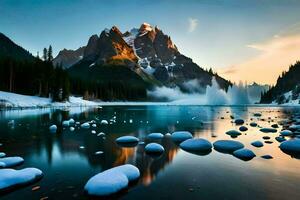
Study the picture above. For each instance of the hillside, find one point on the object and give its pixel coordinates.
(287, 87)
(9, 49)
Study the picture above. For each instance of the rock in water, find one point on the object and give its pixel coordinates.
(280, 139)
(244, 154)
(239, 121)
(10, 178)
(257, 143)
(268, 130)
(286, 133)
(53, 128)
(180, 136)
(127, 139)
(85, 125)
(111, 181)
(291, 147)
(253, 124)
(227, 146)
(154, 148)
(155, 136)
(104, 121)
(233, 133)
(2, 154)
(196, 145)
(267, 157)
(11, 161)
(243, 128)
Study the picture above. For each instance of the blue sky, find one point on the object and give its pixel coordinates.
(214, 33)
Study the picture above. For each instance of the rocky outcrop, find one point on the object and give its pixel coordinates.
(66, 58)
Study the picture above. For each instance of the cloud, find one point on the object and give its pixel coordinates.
(193, 23)
(275, 55)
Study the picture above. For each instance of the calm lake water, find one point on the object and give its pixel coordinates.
(176, 174)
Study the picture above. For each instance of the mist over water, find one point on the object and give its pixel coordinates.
(213, 94)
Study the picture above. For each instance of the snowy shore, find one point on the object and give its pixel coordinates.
(17, 101)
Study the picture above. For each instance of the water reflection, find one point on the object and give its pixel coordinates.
(60, 152)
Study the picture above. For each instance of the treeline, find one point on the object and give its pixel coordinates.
(34, 77)
(107, 82)
(287, 81)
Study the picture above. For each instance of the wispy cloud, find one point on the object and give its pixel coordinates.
(193, 23)
(275, 55)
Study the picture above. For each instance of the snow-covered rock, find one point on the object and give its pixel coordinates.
(11, 161)
(155, 136)
(154, 148)
(10, 178)
(104, 121)
(227, 146)
(180, 136)
(111, 181)
(198, 144)
(244, 154)
(85, 125)
(53, 128)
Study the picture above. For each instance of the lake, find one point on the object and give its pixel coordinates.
(67, 158)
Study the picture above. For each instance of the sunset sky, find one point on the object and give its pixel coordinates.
(242, 40)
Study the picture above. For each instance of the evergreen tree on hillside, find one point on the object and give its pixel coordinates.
(50, 56)
(45, 54)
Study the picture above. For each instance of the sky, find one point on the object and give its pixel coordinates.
(242, 40)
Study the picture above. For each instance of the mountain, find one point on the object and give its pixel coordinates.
(148, 52)
(160, 57)
(255, 90)
(10, 49)
(286, 89)
(66, 58)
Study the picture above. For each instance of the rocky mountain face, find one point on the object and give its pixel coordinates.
(110, 48)
(66, 58)
(148, 52)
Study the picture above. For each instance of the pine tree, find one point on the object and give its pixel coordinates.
(45, 54)
(50, 56)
